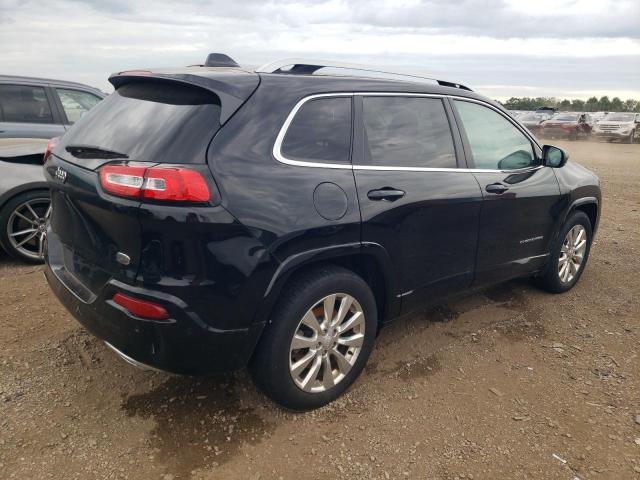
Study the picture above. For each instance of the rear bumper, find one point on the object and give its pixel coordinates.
(183, 344)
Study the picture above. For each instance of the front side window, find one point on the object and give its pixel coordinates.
(24, 104)
(320, 132)
(496, 144)
(407, 132)
(76, 103)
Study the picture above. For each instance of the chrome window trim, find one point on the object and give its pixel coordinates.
(301, 163)
(283, 131)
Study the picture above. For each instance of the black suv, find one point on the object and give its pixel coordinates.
(211, 217)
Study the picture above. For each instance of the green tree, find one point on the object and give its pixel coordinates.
(591, 105)
(604, 104)
(565, 104)
(630, 105)
(616, 104)
(577, 105)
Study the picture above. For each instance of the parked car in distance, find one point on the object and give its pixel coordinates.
(42, 108)
(569, 125)
(620, 126)
(278, 218)
(534, 120)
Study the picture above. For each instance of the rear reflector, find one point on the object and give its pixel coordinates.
(155, 183)
(141, 308)
(50, 146)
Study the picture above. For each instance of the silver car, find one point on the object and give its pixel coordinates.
(31, 112)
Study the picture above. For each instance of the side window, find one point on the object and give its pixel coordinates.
(320, 132)
(24, 104)
(407, 132)
(76, 103)
(496, 143)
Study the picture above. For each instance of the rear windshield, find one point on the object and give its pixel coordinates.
(164, 122)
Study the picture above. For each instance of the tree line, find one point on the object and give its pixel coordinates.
(593, 104)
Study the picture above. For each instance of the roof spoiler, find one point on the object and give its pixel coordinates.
(232, 90)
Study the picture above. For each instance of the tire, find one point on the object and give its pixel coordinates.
(273, 363)
(631, 137)
(552, 280)
(16, 216)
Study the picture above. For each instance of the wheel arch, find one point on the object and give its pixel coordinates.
(368, 260)
(10, 194)
(588, 205)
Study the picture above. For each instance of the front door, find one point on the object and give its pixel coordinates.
(414, 201)
(521, 197)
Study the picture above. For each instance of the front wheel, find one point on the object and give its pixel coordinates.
(569, 256)
(318, 339)
(23, 225)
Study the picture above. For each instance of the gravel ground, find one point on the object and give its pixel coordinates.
(509, 382)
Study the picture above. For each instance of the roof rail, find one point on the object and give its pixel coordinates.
(302, 66)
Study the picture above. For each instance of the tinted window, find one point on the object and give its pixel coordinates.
(320, 132)
(151, 121)
(76, 103)
(495, 142)
(24, 104)
(407, 132)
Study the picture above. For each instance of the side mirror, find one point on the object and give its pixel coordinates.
(553, 157)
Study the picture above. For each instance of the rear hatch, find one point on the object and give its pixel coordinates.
(151, 121)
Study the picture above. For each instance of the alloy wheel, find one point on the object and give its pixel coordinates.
(326, 343)
(572, 253)
(27, 227)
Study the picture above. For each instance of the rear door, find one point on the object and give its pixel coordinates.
(414, 200)
(74, 103)
(27, 111)
(521, 197)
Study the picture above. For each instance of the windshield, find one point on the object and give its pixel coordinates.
(565, 117)
(163, 122)
(620, 117)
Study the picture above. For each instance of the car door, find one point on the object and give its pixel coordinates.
(26, 112)
(521, 197)
(414, 200)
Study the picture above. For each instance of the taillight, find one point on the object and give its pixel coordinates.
(155, 183)
(141, 308)
(52, 143)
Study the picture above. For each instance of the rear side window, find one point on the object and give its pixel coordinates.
(76, 103)
(24, 104)
(150, 121)
(496, 144)
(407, 132)
(320, 132)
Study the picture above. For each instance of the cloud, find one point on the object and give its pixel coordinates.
(572, 44)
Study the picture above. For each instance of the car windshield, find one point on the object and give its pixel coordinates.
(565, 117)
(533, 117)
(619, 117)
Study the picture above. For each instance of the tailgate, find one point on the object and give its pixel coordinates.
(88, 229)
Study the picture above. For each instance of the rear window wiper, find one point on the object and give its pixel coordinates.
(86, 151)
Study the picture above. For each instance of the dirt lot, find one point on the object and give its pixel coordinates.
(509, 382)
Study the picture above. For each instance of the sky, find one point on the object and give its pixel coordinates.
(501, 48)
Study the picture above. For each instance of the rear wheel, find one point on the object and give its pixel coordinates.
(23, 225)
(569, 256)
(318, 339)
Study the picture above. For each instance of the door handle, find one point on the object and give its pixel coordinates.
(387, 193)
(496, 188)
